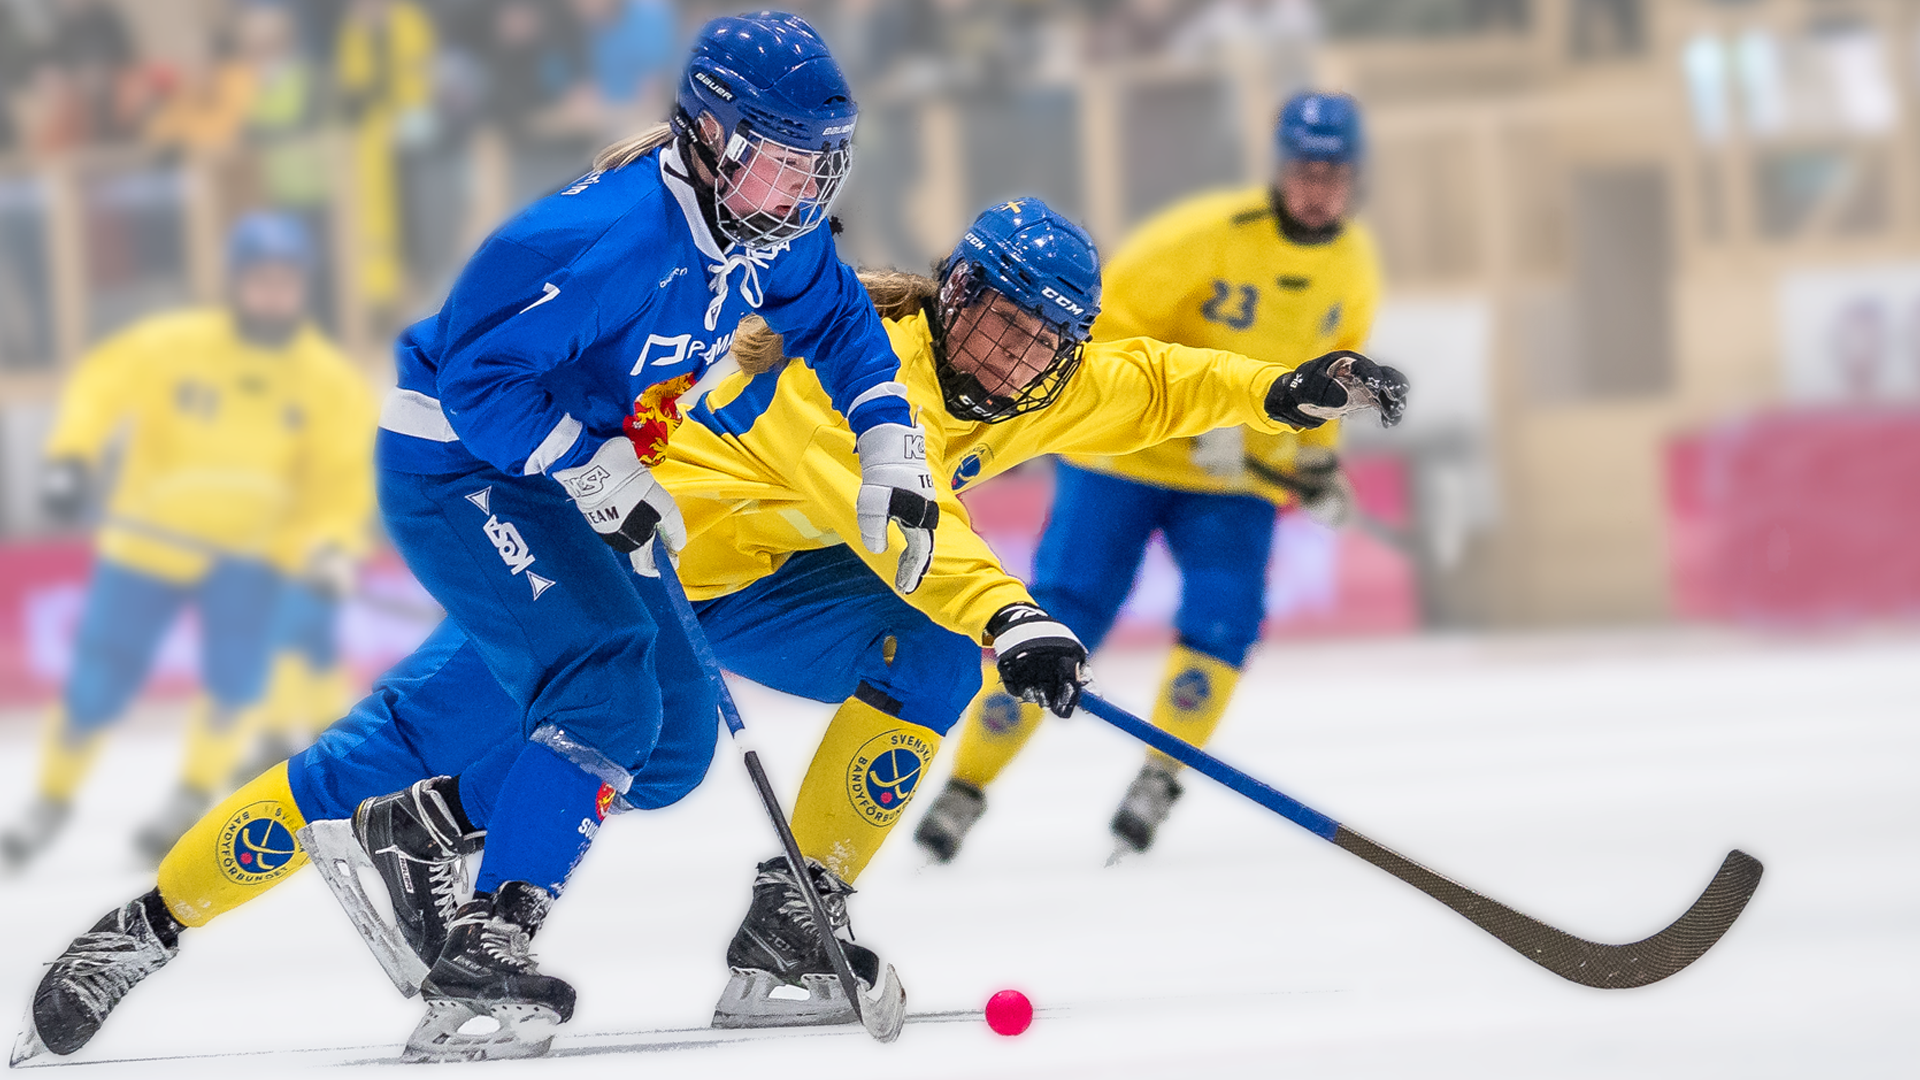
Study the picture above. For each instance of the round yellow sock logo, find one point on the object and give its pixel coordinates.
(256, 846)
(884, 773)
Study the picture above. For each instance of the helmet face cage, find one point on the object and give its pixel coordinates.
(997, 359)
(768, 193)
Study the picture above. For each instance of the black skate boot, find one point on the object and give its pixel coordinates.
(948, 819)
(418, 840)
(778, 945)
(182, 811)
(488, 969)
(85, 983)
(33, 833)
(1149, 799)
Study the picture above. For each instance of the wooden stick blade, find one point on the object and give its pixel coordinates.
(1589, 963)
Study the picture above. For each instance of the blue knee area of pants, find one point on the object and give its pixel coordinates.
(303, 623)
(1222, 544)
(819, 627)
(554, 613)
(1091, 549)
(126, 614)
(438, 712)
(237, 601)
(689, 712)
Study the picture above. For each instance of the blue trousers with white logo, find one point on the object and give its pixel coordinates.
(1097, 535)
(127, 615)
(816, 628)
(554, 613)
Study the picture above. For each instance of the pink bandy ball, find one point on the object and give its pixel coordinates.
(1009, 1012)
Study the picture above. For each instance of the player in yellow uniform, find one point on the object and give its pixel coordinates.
(1276, 272)
(243, 441)
(994, 360)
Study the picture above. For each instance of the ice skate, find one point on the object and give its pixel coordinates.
(948, 820)
(85, 983)
(1148, 801)
(414, 842)
(487, 978)
(33, 833)
(781, 975)
(182, 810)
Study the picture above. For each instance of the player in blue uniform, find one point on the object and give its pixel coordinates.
(539, 395)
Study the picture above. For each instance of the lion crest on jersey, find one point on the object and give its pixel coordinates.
(655, 417)
(885, 773)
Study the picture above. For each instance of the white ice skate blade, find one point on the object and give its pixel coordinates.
(457, 1031)
(343, 864)
(28, 1045)
(757, 999)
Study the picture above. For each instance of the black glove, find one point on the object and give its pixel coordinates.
(1334, 385)
(63, 490)
(1039, 659)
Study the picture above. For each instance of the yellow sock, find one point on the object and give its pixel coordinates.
(66, 757)
(282, 706)
(997, 725)
(216, 737)
(1193, 697)
(240, 849)
(329, 696)
(864, 774)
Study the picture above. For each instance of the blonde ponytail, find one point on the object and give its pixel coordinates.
(896, 294)
(632, 148)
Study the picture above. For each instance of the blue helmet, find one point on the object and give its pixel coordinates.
(1045, 265)
(268, 236)
(762, 79)
(1321, 127)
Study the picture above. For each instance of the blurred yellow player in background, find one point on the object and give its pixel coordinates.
(1273, 272)
(242, 445)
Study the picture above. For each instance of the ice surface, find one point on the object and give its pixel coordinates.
(1594, 782)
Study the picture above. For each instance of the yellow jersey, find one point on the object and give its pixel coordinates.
(224, 448)
(769, 468)
(1214, 272)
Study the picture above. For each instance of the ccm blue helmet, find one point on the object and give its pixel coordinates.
(769, 113)
(268, 236)
(1017, 258)
(1321, 127)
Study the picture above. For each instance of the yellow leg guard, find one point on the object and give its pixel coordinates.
(1192, 699)
(997, 725)
(215, 741)
(66, 757)
(864, 774)
(240, 849)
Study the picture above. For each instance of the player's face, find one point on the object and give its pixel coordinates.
(774, 180)
(1000, 344)
(271, 292)
(1317, 193)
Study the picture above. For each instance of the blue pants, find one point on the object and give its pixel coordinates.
(1098, 533)
(819, 627)
(439, 712)
(303, 623)
(553, 612)
(127, 615)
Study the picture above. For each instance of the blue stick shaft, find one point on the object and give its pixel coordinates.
(702, 648)
(1202, 762)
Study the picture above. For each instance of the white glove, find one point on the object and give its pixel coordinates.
(621, 500)
(330, 572)
(896, 486)
(1221, 452)
(1332, 506)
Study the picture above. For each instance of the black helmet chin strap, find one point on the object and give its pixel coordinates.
(686, 147)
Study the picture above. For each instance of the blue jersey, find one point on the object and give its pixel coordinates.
(590, 296)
